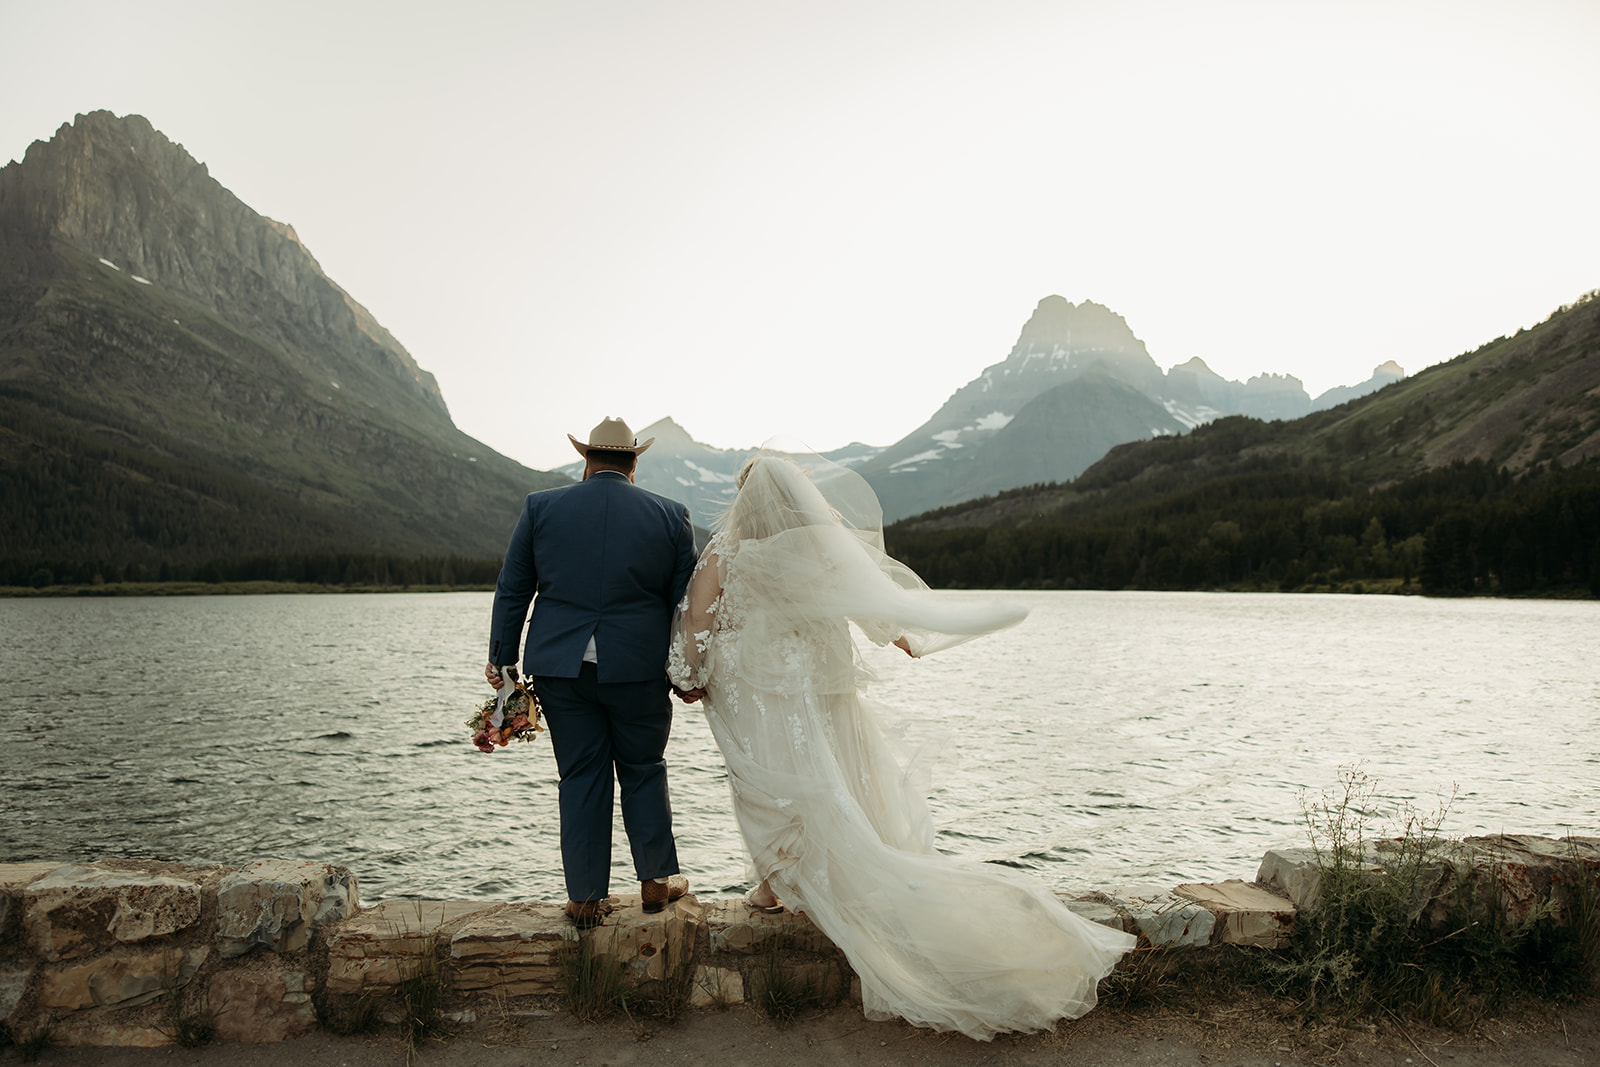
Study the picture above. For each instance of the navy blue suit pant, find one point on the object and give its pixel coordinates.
(597, 731)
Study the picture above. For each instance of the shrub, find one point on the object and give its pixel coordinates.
(1405, 924)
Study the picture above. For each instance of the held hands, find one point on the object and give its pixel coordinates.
(496, 678)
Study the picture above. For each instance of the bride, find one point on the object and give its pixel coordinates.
(833, 820)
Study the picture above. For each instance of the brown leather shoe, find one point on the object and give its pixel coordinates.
(656, 895)
(587, 914)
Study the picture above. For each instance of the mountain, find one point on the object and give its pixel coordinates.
(1382, 375)
(181, 382)
(1054, 436)
(702, 476)
(938, 463)
(977, 443)
(1477, 475)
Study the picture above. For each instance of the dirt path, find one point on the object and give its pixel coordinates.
(1242, 1037)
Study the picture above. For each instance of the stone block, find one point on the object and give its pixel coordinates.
(1585, 850)
(648, 947)
(1097, 911)
(75, 910)
(736, 927)
(278, 904)
(1170, 921)
(512, 949)
(14, 878)
(122, 978)
(1522, 872)
(13, 983)
(1294, 872)
(1246, 914)
(1297, 872)
(94, 1030)
(715, 987)
(261, 1004)
(378, 948)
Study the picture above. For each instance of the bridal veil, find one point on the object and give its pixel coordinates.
(829, 808)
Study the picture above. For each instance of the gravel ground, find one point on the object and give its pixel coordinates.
(1246, 1035)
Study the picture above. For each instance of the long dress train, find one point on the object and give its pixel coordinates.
(825, 803)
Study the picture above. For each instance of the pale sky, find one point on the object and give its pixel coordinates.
(820, 219)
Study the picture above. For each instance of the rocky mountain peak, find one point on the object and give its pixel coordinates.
(117, 189)
(669, 435)
(1196, 364)
(184, 384)
(1059, 324)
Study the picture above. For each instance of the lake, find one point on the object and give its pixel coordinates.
(1113, 741)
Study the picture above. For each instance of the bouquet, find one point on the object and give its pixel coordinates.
(506, 717)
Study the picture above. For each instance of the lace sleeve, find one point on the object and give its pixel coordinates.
(689, 656)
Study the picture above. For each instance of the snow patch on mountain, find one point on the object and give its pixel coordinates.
(708, 475)
(946, 441)
(1191, 417)
(920, 457)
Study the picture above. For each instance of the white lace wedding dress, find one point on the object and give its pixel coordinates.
(828, 810)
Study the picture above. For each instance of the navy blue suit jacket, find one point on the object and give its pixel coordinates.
(606, 558)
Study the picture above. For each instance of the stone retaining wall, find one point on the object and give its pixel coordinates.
(122, 952)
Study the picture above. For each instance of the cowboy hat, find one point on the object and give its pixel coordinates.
(611, 435)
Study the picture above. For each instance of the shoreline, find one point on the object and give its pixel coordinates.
(261, 588)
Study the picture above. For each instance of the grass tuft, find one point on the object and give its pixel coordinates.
(349, 1016)
(595, 984)
(785, 990)
(421, 1002)
(1141, 978)
(592, 982)
(421, 990)
(666, 999)
(189, 1028)
(1581, 905)
(1403, 925)
(33, 1043)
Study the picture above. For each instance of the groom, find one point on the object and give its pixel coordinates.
(609, 562)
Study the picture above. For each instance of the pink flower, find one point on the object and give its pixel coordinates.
(481, 740)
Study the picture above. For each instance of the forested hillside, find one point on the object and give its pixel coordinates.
(1481, 475)
(185, 393)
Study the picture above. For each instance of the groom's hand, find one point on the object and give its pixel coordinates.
(492, 673)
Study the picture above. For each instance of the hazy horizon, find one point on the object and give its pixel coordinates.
(821, 223)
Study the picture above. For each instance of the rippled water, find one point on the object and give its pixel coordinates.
(1114, 740)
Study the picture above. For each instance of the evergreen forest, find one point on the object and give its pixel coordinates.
(1466, 528)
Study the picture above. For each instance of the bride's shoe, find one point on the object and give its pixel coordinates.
(775, 908)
